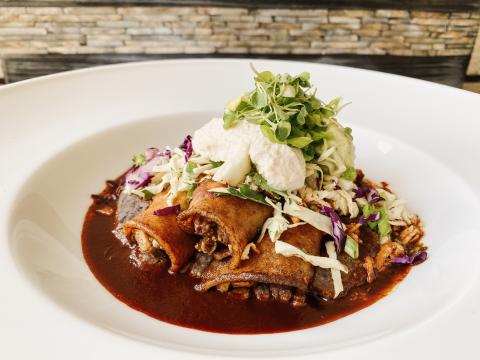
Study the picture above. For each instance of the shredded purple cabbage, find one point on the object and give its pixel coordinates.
(144, 178)
(175, 209)
(338, 235)
(368, 193)
(138, 177)
(373, 196)
(362, 191)
(186, 146)
(166, 152)
(151, 153)
(415, 259)
(370, 218)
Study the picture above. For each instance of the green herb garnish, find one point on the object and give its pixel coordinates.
(259, 180)
(148, 195)
(382, 225)
(350, 173)
(286, 110)
(243, 192)
(138, 160)
(191, 190)
(351, 248)
(216, 163)
(189, 168)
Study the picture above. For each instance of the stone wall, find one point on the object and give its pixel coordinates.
(203, 30)
(474, 67)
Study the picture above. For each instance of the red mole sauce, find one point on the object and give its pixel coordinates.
(172, 298)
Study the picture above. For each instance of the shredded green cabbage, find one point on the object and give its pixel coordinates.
(288, 250)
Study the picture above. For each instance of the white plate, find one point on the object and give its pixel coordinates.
(63, 135)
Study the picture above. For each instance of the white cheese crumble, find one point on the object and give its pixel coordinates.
(282, 166)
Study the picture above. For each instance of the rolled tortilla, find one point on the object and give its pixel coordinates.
(152, 232)
(223, 219)
(267, 269)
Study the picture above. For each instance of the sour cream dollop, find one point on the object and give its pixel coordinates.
(281, 165)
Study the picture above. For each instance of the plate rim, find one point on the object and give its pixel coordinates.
(60, 76)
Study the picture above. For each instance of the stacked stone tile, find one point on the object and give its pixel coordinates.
(474, 66)
(162, 30)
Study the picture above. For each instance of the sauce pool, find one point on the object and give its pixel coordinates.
(172, 298)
